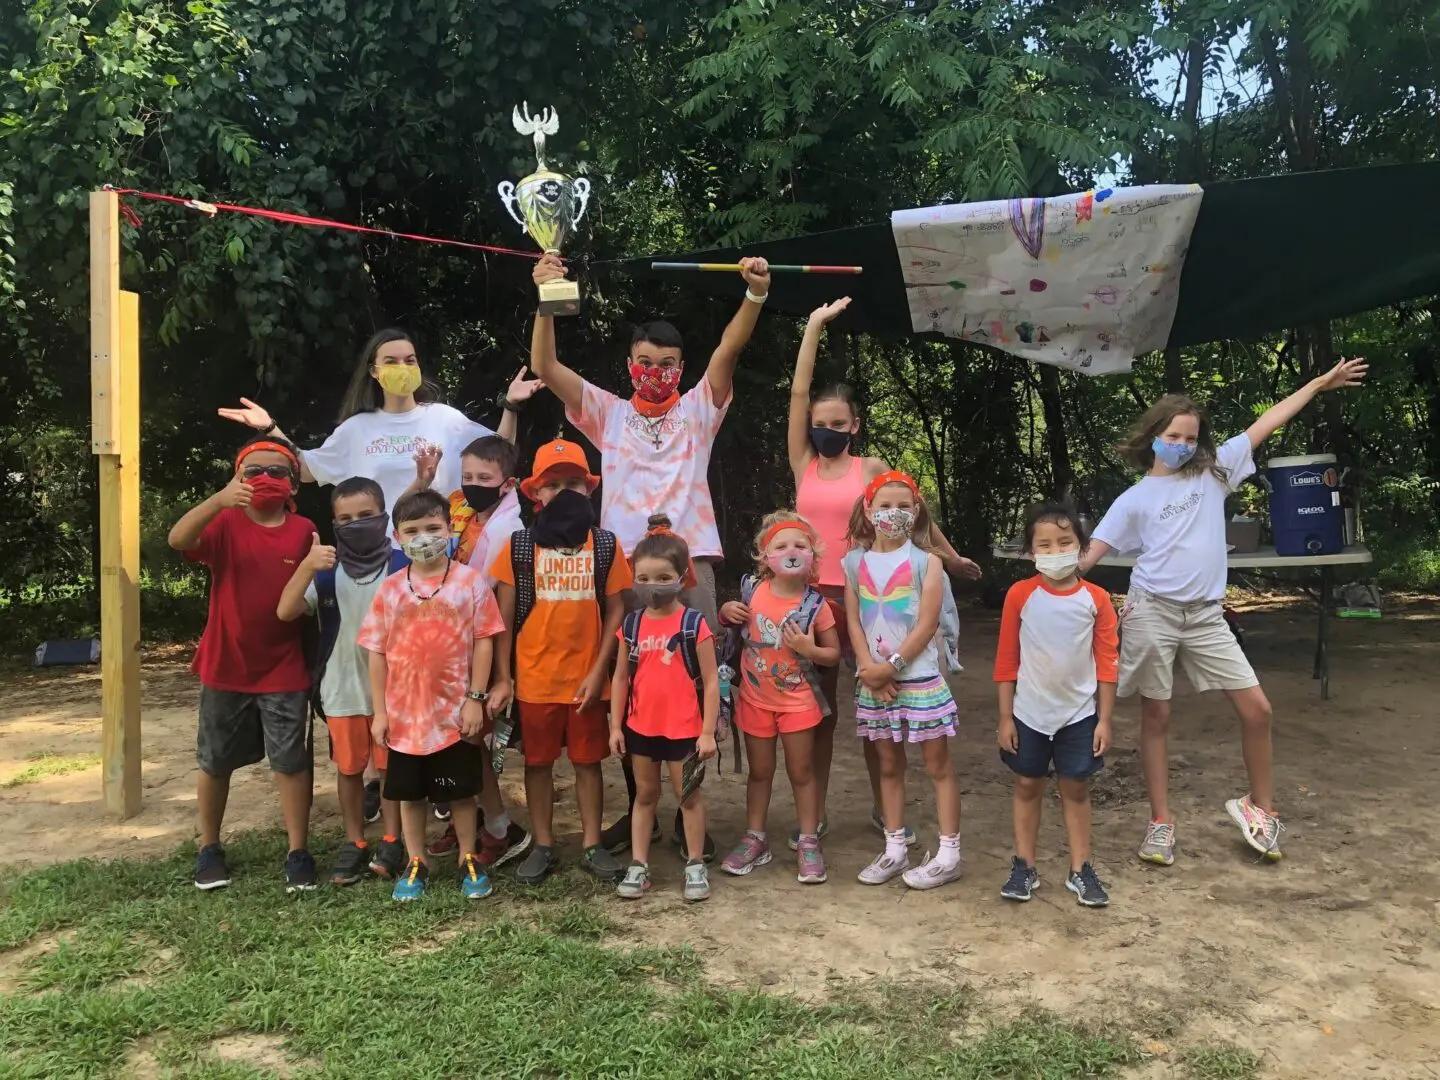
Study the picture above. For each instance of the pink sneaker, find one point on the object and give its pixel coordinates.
(745, 856)
(811, 861)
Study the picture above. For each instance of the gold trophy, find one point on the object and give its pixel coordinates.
(547, 205)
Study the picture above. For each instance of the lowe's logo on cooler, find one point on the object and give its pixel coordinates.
(1307, 479)
(1310, 509)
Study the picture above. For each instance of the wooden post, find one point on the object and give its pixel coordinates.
(115, 439)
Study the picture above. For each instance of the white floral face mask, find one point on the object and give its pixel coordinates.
(893, 522)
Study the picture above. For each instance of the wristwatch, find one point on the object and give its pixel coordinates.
(268, 430)
(896, 661)
(510, 406)
(478, 695)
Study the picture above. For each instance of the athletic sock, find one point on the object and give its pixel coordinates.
(895, 846)
(949, 854)
(499, 825)
(390, 839)
(759, 834)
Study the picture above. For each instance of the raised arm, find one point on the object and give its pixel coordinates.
(258, 419)
(721, 371)
(567, 385)
(798, 432)
(1344, 374)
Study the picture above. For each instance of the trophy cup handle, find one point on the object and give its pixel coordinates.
(507, 198)
(582, 197)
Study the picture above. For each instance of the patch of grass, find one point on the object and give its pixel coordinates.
(46, 764)
(1222, 1062)
(350, 983)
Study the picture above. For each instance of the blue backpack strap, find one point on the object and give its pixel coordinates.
(810, 607)
(522, 568)
(690, 624)
(327, 614)
(630, 628)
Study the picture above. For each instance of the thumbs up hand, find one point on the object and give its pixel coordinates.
(321, 556)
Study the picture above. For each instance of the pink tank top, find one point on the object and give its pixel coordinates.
(827, 504)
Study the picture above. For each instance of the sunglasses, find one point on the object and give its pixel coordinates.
(277, 472)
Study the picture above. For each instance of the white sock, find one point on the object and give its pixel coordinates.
(949, 854)
(759, 834)
(895, 847)
(498, 825)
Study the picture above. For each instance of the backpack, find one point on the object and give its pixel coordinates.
(734, 647)
(327, 610)
(947, 634)
(522, 566)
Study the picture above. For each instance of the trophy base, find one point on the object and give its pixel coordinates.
(559, 298)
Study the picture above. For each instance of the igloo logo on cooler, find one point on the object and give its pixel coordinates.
(1310, 509)
(1307, 479)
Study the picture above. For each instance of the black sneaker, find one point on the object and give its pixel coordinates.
(599, 863)
(537, 866)
(350, 864)
(210, 869)
(616, 839)
(299, 872)
(1024, 880)
(1085, 884)
(372, 802)
(387, 859)
(679, 838)
(442, 811)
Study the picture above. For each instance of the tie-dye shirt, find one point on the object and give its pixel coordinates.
(889, 599)
(655, 465)
(428, 644)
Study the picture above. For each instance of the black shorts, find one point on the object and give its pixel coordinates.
(457, 772)
(656, 747)
(1071, 751)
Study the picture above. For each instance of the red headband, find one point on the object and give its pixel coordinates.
(779, 527)
(894, 476)
(266, 445)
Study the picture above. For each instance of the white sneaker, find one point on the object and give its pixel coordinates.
(932, 873)
(884, 869)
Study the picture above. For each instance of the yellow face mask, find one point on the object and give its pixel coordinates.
(399, 379)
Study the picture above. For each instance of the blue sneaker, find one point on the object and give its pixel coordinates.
(474, 882)
(411, 884)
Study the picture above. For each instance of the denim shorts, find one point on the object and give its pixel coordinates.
(1071, 751)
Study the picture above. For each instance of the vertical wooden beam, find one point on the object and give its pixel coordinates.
(115, 439)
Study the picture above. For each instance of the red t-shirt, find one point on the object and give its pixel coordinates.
(245, 648)
(663, 703)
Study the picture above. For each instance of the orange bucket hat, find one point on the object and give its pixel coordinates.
(555, 455)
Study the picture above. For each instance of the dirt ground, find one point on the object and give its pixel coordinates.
(1326, 964)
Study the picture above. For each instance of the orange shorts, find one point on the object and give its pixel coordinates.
(546, 729)
(768, 724)
(351, 747)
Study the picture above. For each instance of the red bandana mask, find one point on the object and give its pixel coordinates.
(654, 385)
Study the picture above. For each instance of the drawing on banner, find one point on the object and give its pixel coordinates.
(1086, 281)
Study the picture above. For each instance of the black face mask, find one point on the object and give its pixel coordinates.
(565, 521)
(363, 546)
(480, 498)
(828, 442)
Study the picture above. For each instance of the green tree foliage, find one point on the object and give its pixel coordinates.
(701, 123)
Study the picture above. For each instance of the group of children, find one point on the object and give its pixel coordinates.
(448, 632)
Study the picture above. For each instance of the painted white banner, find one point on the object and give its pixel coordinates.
(1087, 281)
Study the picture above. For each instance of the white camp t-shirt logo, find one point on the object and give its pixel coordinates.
(396, 445)
(564, 575)
(1184, 506)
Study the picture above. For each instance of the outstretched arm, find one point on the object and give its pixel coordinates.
(798, 432)
(257, 418)
(567, 385)
(1344, 374)
(721, 371)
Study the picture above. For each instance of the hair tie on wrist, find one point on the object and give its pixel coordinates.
(755, 299)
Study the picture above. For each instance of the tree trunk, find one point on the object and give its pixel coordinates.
(1062, 473)
(1174, 371)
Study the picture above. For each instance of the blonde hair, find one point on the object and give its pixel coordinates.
(1136, 449)
(790, 518)
(861, 532)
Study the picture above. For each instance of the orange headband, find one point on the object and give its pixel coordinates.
(265, 445)
(894, 476)
(779, 527)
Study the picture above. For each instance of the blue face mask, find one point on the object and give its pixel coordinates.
(1172, 454)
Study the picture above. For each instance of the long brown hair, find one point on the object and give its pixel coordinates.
(1136, 450)
(785, 517)
(861, 532)
(364, 393)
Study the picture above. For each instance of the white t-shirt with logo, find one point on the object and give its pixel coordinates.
(345, 686)
(655, 466)
(1178, 525)
(382, 446)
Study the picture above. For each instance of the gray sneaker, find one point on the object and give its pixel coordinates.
(697, 881)
(536, 866)
(635, 883)
(878, 824)
(599, 863)
(1159, 844)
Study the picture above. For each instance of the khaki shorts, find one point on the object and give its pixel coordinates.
(1155, 632)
